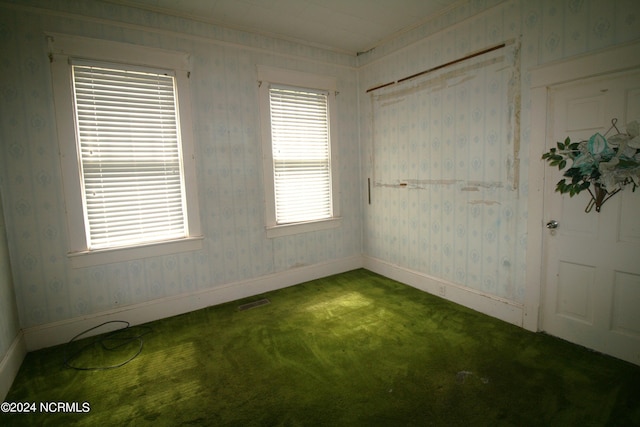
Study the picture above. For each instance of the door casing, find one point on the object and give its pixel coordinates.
(543, 78)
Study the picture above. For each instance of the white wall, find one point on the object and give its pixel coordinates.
(227, 138)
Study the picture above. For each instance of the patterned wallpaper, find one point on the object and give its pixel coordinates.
(9, 324)
(458, 218)
(227, 138)
(479, 245)
(444, 172)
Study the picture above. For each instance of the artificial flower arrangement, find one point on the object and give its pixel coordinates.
(607, 163)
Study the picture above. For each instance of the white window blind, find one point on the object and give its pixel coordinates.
(130, 155)
(301, 154)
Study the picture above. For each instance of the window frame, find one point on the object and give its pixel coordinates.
(64, 48)
(281, 77)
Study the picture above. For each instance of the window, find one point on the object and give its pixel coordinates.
(127, 132)
(300, 181)
(301, 154)
(123, 129)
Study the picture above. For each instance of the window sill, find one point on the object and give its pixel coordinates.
(109, 256)
(302, 227)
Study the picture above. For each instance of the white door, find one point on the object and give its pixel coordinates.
(591, 293)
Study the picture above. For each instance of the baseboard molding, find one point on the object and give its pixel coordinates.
(51, 334)
(10, 364)
(491, 305)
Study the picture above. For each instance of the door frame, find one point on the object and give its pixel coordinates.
(610, 60)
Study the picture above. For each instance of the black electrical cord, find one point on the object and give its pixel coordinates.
(111, 341)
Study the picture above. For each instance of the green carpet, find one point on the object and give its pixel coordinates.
(355, 349)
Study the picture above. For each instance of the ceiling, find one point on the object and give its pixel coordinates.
(349, 26)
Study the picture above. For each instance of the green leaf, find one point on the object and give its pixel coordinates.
(573, 173)
(561, 186)
(562, 164)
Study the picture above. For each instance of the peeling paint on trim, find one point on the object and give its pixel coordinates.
(426, 183)
(420, 182)
(488, 184)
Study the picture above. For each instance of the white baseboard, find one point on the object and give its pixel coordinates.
(55, 333)
(503, 309)
(10, 364)
(51, 334)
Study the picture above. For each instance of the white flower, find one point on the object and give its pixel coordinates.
(633, 129)
(634, 143)
(608, 166)
(618, 139)
(608, 180)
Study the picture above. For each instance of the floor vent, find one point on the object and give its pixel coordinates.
(254, 304)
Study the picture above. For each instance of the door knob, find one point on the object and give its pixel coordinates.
(552, 224)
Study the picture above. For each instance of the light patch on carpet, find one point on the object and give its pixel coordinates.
(339, 305)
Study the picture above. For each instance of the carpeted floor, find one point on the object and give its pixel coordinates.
(354, 349)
